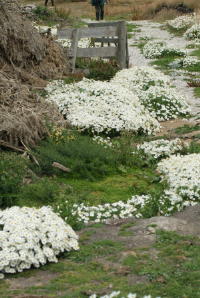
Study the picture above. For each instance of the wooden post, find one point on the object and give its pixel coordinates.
(122, 52)
(127, 54)
(73, 49)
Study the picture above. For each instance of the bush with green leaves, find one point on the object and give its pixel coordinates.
(42, 12)
(86, 158)
(42, 192)
(13, 169)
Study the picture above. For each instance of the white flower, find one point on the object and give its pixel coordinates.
(32, 237)
(154, 91)
(101, 107)
(161, 148)
(154, 49)
(181, 22)
(164, 103)
(193, 32)
(183, 176)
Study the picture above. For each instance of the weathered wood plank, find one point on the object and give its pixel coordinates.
(74, 47)
(102, 24)
(104, 52)
(65, 33)
(127, 53)
(122, 53)
(106, 39)
(89, 32)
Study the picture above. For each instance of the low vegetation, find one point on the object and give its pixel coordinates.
(97, 175)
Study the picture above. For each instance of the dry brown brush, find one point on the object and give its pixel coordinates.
(26, 60)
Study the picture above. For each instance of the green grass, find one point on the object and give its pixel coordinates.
(132, 27)
(176, 32)
(110, 189)
(186, 129)
(163, 62)
(193, 68)
(197, 92)
(196, 52)
(173, 271)
(98, 69)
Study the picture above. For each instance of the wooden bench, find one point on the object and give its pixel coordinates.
(103, 32)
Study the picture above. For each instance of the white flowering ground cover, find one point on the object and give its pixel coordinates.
(164, 103)
(181, 22)
(102, 213)
(139, 79)
(117, 293)
(161, 148)
(187, 61)
(101, 107)
(155, 49)
(155, 92)
(193, 32)
(183, 176)
(32, 237)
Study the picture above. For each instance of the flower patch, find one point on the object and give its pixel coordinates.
(139, 79)
(32, 237)
(183, 176)
(155, 49)
(181, 22)
(161, 148)
(101, 107)
(193, 32)
(102, 213)
(164, 103)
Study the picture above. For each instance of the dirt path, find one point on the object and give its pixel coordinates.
(154, 31)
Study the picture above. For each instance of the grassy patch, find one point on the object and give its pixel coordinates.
(176, 32)
(168, 272)
(193, 68)
(196, 52)
(98, 69)
(197, 92)
(163, 63)
(186, 129)
(172, 272)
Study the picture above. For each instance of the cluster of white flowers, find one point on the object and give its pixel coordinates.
(139, 79)
(46, 29)
(106, 142)
(82, 43)
(193, 32)
(155, 49)
(161, 148)
(188, 61)
(164, 103)
(32, 237)
(183, 175)
(154, 91)
(101, 107)
(103, 213)
(181, 22)
(117, 293)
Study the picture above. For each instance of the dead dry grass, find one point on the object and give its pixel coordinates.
(127, 9)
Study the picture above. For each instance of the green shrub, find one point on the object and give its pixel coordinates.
(85, 158)
(12, 171)
(44, 192)
(98, 69)
(42, 12)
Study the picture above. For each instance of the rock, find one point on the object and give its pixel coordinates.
(174, 224)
